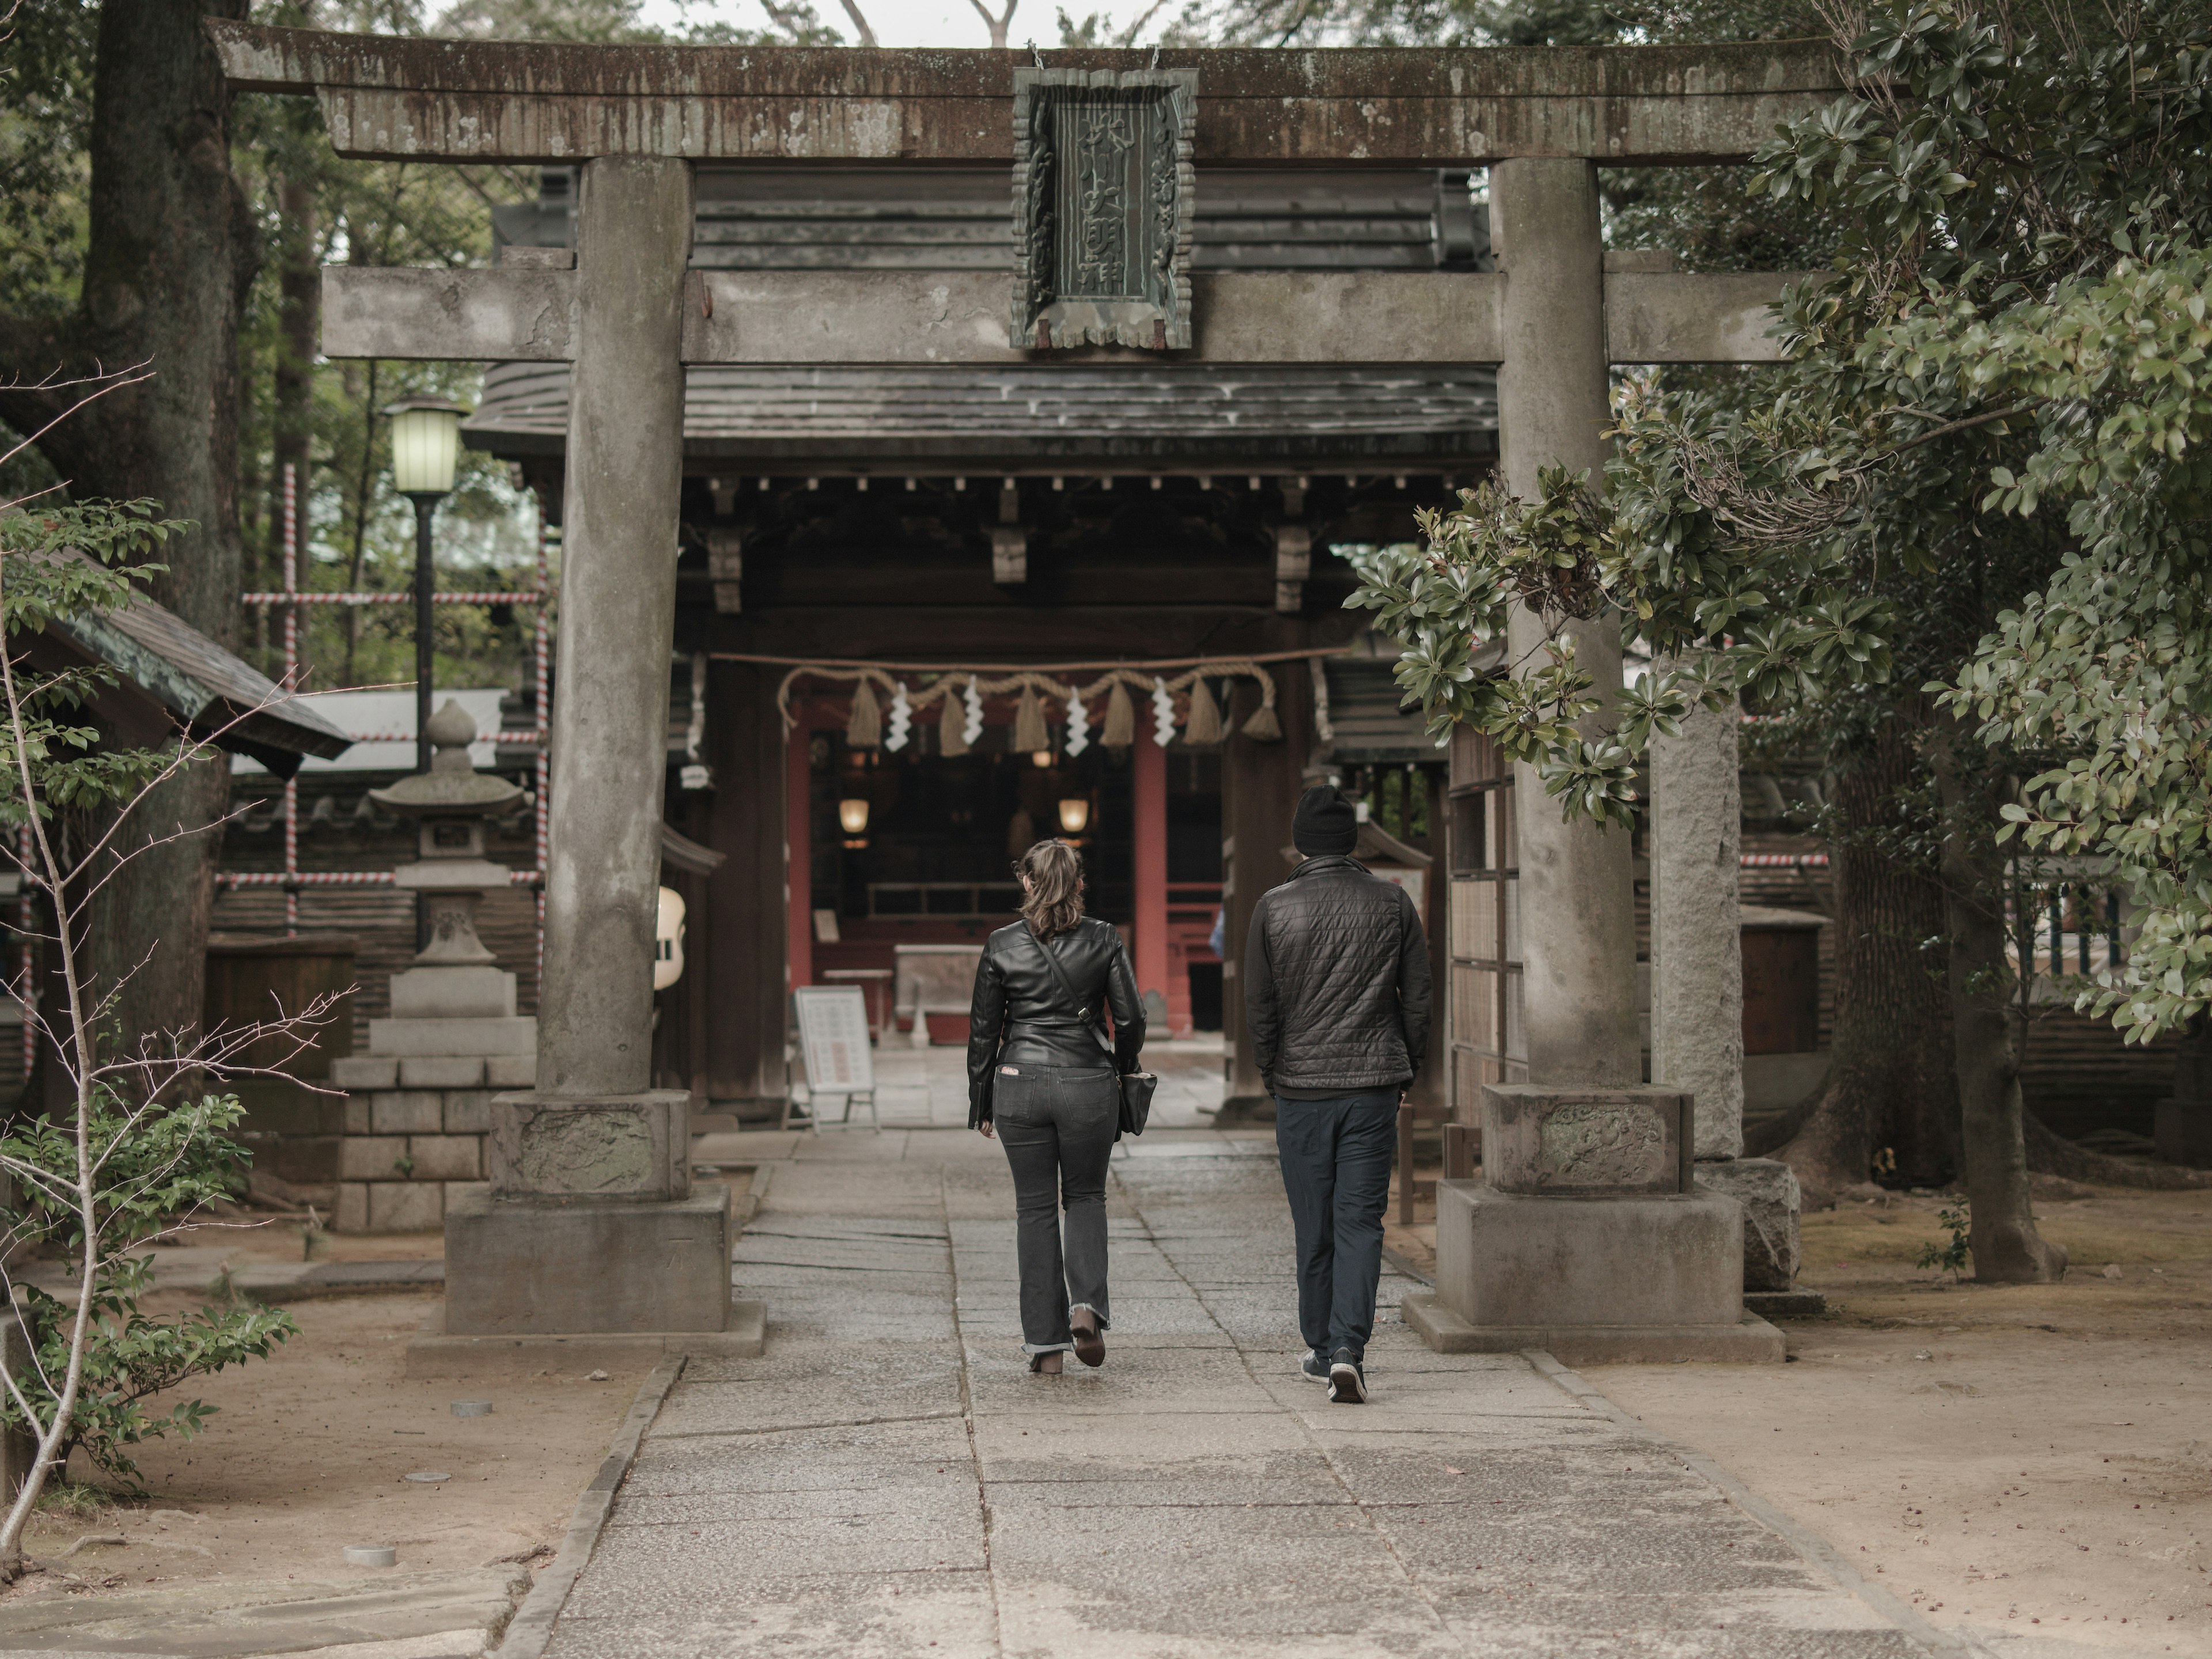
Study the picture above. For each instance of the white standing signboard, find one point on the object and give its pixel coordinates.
(833, 1034)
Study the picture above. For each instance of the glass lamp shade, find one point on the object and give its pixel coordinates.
(425, 445)
(853, 815)
(1074, 816)
(1041, 759)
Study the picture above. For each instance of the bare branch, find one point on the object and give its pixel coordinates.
(859, 22)
(105, 380)
(999, 26)
(1128, 35)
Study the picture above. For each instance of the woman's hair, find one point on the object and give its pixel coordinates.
(1054, 903)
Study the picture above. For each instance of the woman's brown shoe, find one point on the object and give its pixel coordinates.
(1090, 1343)
(1046, 1364)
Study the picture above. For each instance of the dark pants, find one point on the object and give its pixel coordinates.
(1336, 1170)
(1058, 1128)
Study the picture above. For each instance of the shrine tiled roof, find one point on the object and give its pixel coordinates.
(1152, 414)
(1171, 415)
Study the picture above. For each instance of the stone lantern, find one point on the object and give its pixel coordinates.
(418, 1107)
(454, 976)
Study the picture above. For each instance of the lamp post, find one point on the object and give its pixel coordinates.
(425, 445)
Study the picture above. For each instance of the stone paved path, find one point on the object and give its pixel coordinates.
(889, 1480)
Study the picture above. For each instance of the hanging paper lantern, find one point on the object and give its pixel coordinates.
(901, 718)
(864, 730)
(972, 701)
(1030, 735)
(951, 737)
(1121, 719)
(1203, 729)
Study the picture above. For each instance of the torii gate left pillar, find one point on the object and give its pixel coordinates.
(591, 1223)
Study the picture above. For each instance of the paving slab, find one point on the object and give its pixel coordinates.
(451, 1611)
(889, 1479)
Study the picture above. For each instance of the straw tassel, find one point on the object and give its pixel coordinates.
(1263, 726)
(865, 729)
(1121, 719)
(1203, 728)
(952, 725)
(1029, 734)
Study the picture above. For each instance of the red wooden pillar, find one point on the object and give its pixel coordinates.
(1150, 789)
(798, 849)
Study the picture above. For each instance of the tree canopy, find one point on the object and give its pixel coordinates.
(1990, 429)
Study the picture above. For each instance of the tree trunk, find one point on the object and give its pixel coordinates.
(169, 256)
(1890, 1086)
(2008, 1249)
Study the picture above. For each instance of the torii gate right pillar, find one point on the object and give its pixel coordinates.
(1586, 1234)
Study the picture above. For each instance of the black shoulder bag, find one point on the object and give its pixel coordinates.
(1135, 1088)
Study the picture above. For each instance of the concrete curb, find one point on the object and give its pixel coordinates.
(532, 1627)
(1947, 1644)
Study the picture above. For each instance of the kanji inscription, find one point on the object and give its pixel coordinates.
(1103, 190)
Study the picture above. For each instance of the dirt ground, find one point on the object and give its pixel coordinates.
(2034, 1460)
(308, 1451)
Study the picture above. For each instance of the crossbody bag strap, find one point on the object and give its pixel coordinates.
(1075, 1003)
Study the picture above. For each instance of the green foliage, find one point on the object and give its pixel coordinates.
(58, 560)
(140, 1161)
(45, 113)
(1982, 466)
(154, 1163)
(1954, 1257)
(2108, 671)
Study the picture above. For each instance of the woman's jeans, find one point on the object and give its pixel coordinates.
(1058, 1126)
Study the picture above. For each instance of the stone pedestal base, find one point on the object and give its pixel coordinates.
(544, 1267)
(1750, 1341)
(1786, 1304)
(436, 1352)
(1658, 1276)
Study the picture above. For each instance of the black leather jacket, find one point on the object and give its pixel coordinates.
(1336, 980)
(1018, 999)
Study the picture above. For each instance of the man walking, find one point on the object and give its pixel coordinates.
(1336, 995)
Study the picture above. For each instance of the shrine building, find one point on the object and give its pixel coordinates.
(1115, 513)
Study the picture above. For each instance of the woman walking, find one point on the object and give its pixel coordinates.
(1040, 1076)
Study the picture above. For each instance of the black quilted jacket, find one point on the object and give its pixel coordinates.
(1336, 980)
(1021, 1014)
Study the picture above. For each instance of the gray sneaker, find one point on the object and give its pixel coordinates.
(1313, 1367)
(1347, 1381)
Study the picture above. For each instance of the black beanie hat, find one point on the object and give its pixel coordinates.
(1326, 826)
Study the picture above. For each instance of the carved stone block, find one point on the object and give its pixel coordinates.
(1103, 200)
(621, 1146)
(1585, 1143)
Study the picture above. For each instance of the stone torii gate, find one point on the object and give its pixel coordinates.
(590, 1169)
